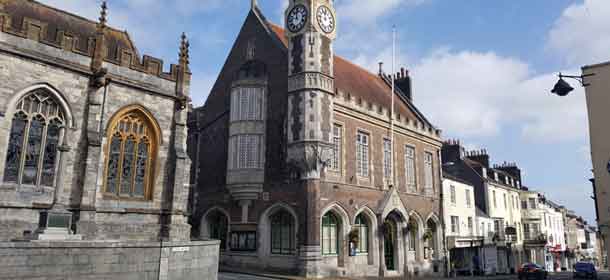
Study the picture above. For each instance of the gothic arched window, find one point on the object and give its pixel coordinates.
(36, 130)
(282, 233)
(362, 227)
(130, 155)
(330, 234)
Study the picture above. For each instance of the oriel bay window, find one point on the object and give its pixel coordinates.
(282, 233)
(130, 155)
(36, 131)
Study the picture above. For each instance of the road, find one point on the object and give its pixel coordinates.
(559, 276)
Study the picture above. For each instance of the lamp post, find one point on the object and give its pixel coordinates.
(563, 88)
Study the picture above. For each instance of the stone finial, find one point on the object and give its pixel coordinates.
(184, 50)
(253, 4)
(104, 14)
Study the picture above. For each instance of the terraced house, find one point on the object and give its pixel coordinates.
(497, 191)
(295, 166)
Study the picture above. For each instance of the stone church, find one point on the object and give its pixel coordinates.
(295, 165)
(92, 135)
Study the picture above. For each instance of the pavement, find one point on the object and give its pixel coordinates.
(271, 276)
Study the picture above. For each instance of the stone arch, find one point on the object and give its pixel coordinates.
(264, 228)
(54, 92)
(54, 111)
(142, 110)
(373, 240)
(134, 125)
(435, 244)
(204, 229)
(415, 234)
(342, 232)
(337, 209)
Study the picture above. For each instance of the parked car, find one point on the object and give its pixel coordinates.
(532, 271)
(585, 270)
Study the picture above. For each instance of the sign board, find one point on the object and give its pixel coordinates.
(180, 249)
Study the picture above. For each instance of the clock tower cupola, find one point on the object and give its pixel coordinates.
(310, 27)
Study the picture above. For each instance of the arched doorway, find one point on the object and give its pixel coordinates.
(218, 226)
(431, 240)
(390, 242)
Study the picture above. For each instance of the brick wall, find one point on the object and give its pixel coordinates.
(109, 260)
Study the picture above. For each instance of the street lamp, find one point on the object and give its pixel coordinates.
(563, 88)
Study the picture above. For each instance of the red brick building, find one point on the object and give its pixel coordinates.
(293, 163)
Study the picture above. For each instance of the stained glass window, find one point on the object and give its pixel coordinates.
(130, 155)
(36, 132)
(50, 154)
(13, 158)
(141, 168)
(113, 164)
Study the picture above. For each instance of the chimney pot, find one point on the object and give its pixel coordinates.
(380, 68)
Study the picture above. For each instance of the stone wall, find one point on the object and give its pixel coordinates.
(109, 260)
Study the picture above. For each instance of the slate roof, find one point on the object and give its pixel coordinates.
(55, 20)
(360, 83)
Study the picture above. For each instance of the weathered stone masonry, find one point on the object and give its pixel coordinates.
(93, 77)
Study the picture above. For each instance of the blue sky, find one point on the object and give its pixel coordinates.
(482, 69)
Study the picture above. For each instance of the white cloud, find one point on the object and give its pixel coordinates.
(582, 34)
(473, 94)
(367, 11)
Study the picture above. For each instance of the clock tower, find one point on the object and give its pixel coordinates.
(311, 30)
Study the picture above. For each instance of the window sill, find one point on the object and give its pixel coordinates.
(330, 255)
(275, 255)
(125, 198)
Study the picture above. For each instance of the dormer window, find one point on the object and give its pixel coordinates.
(496, 177)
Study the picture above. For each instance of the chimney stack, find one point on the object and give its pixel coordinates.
(403, 82)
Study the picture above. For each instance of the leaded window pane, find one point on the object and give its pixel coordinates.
(429, 182)
(113, 164)
(50, 154)
(13, 157)
(410, 168)
(387, 159)
(335, 163)
(130, 158)
(362, 155)
(141, 169)
(32, 153)
(128, 162)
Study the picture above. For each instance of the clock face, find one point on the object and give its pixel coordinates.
(297, 18)
(326, 20)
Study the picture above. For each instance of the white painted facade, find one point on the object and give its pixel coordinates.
(505, 211)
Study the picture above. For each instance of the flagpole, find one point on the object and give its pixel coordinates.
(393, 73)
